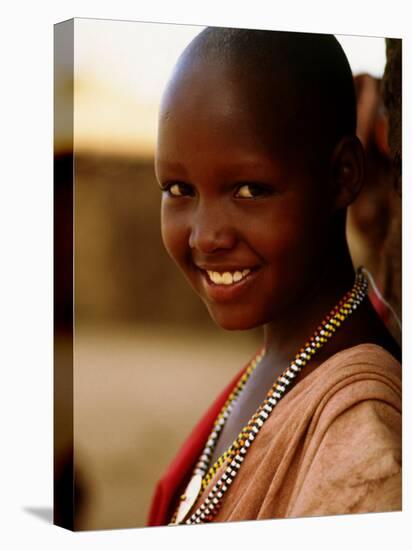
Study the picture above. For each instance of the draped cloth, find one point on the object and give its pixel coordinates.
(332, 445)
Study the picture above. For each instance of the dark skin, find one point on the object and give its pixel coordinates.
(238, 194)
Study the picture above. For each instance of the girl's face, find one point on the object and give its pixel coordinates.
(241, 214)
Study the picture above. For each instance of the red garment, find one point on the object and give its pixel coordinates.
(381, 309)
(172, 484)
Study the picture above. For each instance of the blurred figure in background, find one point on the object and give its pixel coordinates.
(372, 217)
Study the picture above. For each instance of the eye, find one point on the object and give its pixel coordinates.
(177, 189)
(251, 191)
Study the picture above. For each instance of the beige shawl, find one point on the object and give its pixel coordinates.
(331, 446)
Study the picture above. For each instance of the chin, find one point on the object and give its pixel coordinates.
(233, 326)
(233, 322)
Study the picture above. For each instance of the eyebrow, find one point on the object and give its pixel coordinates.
(169, 163)
(226, 169)
(171, 167)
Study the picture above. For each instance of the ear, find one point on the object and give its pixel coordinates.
(347, 171)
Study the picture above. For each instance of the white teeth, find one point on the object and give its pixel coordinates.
(227, 278)
(237, 276)
(216, 277)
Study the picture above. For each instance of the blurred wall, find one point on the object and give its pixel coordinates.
(123, 273)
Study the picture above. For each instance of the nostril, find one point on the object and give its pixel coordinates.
(211, 240)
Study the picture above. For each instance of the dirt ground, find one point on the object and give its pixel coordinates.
(138, 391)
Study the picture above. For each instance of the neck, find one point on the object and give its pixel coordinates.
(284, 337)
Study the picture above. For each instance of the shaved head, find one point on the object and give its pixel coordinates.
(299, 84)
(258, 160)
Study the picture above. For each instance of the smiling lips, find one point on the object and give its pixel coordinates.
(226, 286)
(227, 277)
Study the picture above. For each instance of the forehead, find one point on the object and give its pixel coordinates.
(212, 106)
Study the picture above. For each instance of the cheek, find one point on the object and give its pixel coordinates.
(292, 236)
(174, 235)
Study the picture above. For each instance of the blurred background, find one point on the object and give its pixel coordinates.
(147, 358)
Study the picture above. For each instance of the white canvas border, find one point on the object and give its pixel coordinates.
(26, 274)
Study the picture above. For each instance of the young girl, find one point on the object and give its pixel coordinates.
(257, 159)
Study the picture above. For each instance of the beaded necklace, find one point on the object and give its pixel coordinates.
(235, 454)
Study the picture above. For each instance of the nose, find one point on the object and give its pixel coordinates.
(211, 230)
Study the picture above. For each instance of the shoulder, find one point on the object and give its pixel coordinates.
(354, 467)
(366, 353)
(364, 372)
(352, 451)
(361, 388)
(366, 357)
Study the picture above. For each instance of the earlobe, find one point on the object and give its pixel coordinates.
(348, 166)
